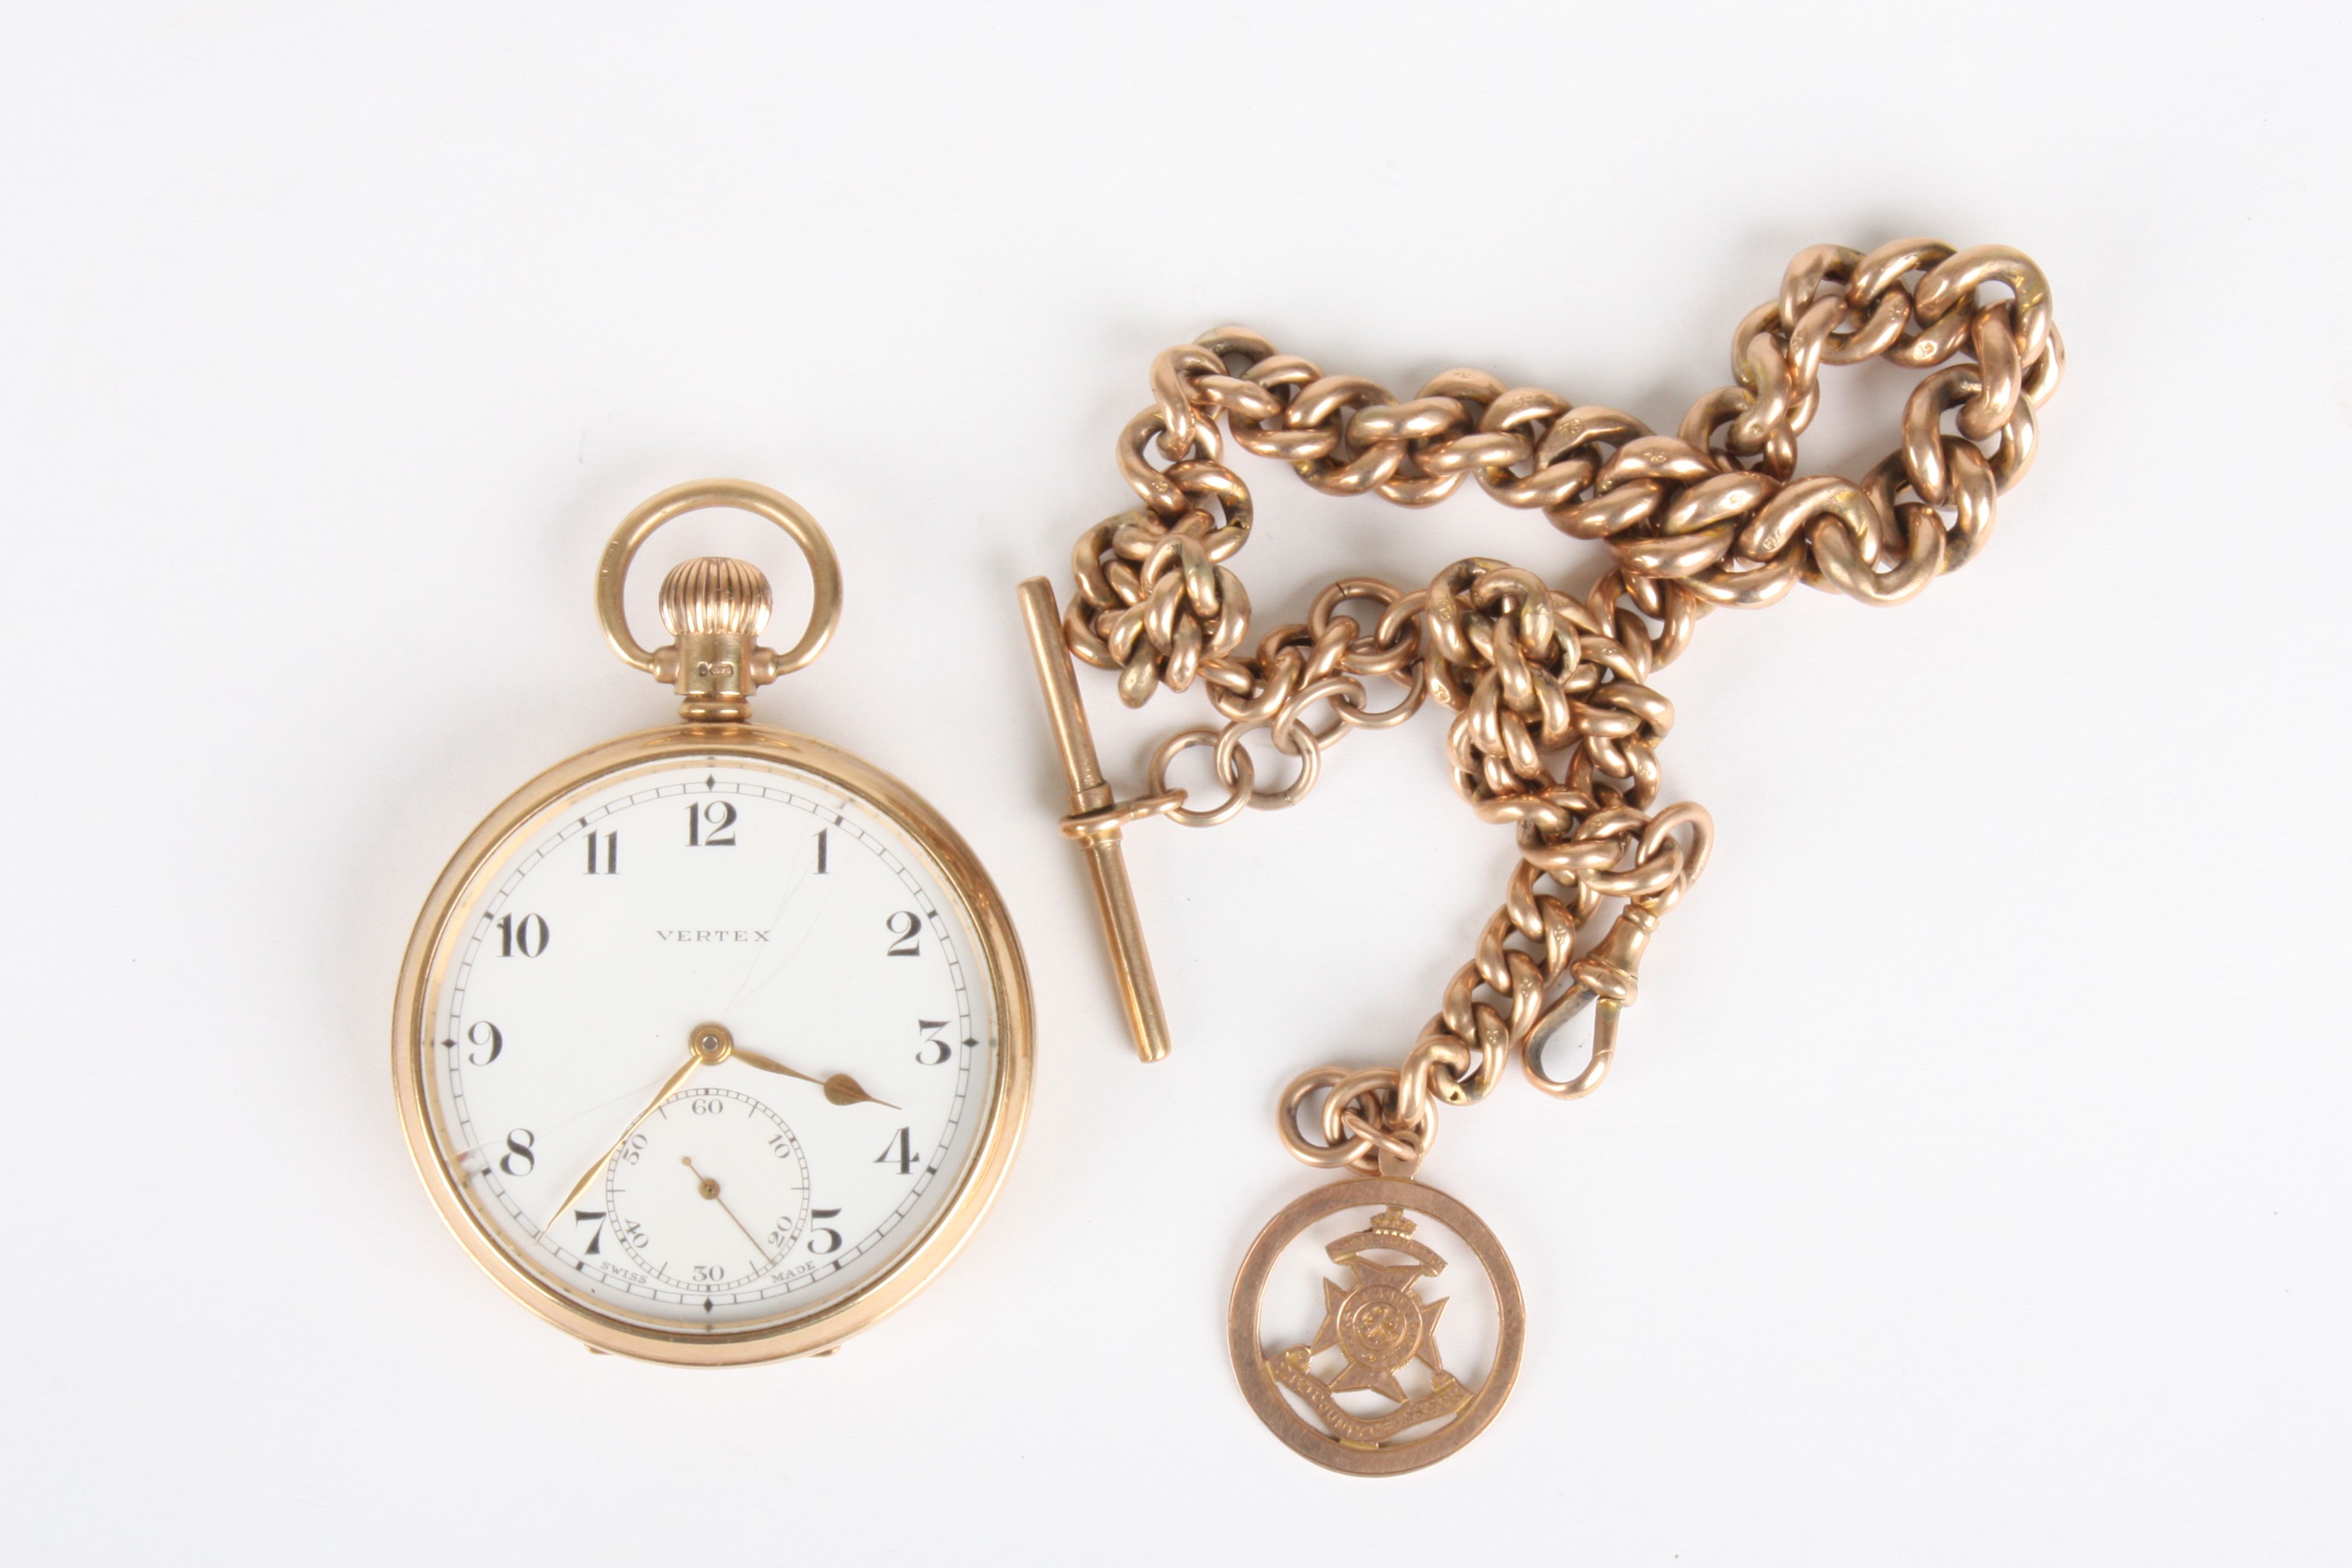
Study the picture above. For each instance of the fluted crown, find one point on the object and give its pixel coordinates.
(715, 594)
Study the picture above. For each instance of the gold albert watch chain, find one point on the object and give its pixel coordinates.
(1555, 718)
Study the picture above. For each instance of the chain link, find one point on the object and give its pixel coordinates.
(1555, 724)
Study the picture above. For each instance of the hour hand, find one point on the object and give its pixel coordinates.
(843, 1089)
(840, 1089)
(770, 1064)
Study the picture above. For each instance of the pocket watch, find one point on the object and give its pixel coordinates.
(712, 1043)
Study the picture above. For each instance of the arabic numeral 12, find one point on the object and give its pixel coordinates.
(709, 825)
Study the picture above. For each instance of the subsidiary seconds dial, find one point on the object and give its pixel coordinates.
(709, 1192)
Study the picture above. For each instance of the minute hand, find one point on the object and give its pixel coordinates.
(589, 1175)
(841, 1088)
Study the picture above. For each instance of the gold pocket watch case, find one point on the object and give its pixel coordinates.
(713, 1042)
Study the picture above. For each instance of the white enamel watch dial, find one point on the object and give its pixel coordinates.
(707, 1046)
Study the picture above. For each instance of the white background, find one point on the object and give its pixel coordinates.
(1973, 1185)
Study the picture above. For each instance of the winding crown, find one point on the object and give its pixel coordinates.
(715, 594)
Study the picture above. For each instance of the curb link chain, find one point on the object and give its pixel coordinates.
(1707, 517)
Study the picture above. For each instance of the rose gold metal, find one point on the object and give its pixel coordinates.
(715, 609)
(1096, 821)
(1378, 1323)
(716, 606)
(1555, 721)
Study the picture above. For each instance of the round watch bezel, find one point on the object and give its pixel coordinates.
(994, 1142)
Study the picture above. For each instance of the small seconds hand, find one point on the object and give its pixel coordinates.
(710, 1189)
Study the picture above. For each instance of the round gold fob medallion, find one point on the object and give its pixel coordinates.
(1380, 1316)
(712, 1043)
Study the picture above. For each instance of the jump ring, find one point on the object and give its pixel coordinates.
(1373, 1082)
(1414, 678)
(1290, 715)
(1310, 764)
(1242, 790)
(1688, 814)
(1325, 1157)
(1390, 1144)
